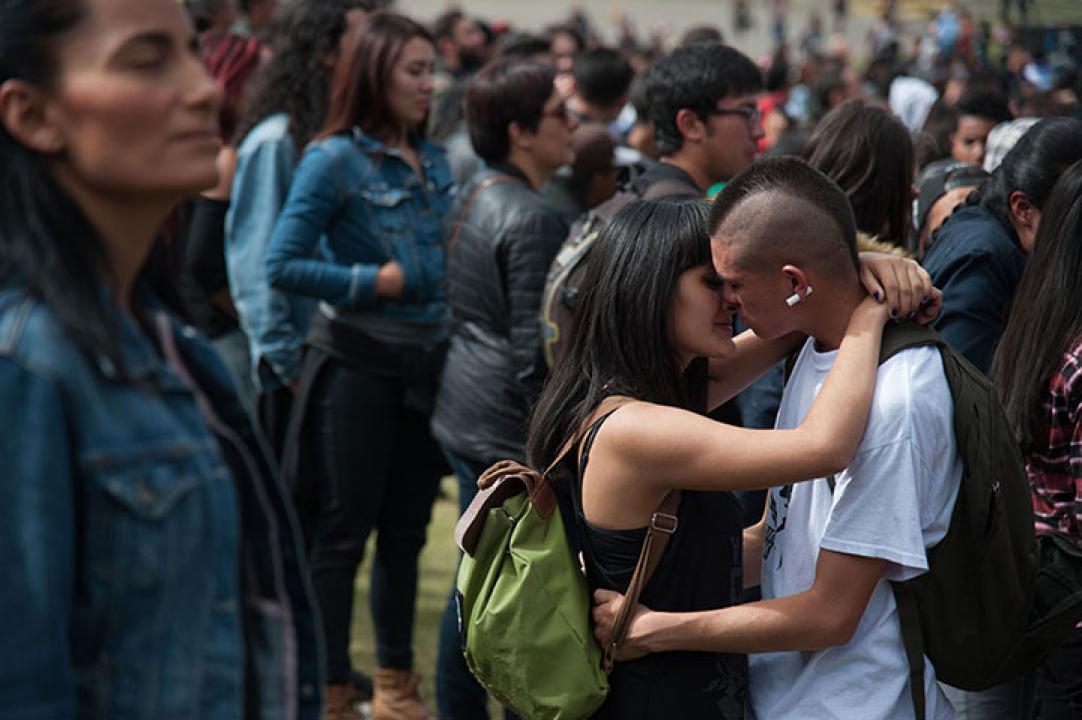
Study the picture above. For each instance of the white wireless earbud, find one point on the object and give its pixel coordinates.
(795, 297)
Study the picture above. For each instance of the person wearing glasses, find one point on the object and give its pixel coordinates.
(502, 236)
(702, 103)
(705, 113)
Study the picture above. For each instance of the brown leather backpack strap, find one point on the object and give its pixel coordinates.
(663, 524)
(468, 205)
(499, 482)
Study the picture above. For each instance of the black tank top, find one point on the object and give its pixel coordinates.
(701, 569)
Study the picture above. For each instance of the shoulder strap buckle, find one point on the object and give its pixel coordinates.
(663, 522)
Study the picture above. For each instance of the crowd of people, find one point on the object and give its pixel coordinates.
(270, 270)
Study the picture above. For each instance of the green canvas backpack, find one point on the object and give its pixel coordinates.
(997, 598)
(523, 602)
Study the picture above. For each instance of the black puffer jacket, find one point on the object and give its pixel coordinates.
(495, 277)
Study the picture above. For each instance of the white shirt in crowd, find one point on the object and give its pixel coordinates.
(892, 502)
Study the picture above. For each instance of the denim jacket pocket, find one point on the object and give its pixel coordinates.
(393, 223)
(382, 196)
(156, 538)
(148, 492)
(390, 205)
(149, 520)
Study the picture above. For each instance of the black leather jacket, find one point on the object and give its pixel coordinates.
(495, 277)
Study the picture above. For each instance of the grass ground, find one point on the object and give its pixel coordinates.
(439, 561)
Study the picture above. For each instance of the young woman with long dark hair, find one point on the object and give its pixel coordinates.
(626, 395)
(150, 558)
(359, 454)
(868, 152)
(1038, 370)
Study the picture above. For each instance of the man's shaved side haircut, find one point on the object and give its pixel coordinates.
(826, 224)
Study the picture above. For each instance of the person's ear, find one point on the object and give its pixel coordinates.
(24, 112)
(690, 125)
(1022, 210)
(798, 281)
(519, 136)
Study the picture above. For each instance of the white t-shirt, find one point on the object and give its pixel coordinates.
(892, 502)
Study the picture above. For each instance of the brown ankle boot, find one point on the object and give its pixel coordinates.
(340, 703)
(396, 696)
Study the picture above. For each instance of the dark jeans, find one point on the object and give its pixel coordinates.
(232, 347)
(1058, 683)
(378, 468)
(272, 413)
(458, 694)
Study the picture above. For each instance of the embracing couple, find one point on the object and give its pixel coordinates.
(862, 464)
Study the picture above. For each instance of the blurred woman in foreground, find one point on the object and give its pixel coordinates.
(152, 568)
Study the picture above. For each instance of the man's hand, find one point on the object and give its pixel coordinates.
(607, 606)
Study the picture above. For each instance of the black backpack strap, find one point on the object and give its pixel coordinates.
(913, 640)
(902, 336)
(898, 337)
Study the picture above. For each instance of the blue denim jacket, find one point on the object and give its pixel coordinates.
(373, 208)
(274, 322)
(151, 571)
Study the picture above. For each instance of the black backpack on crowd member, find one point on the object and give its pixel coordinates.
(565, 275)
(997, 598)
